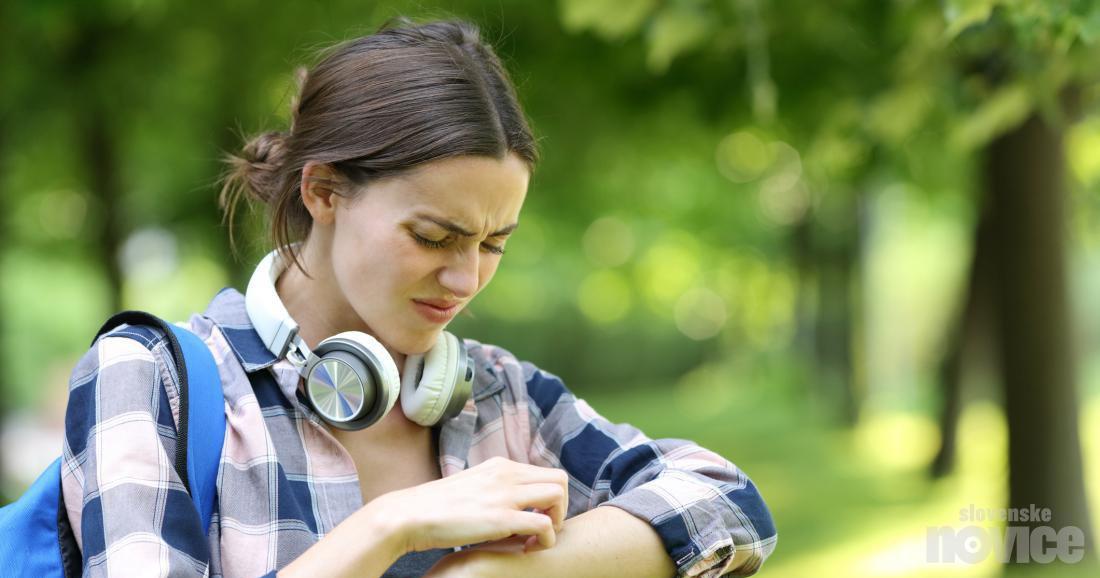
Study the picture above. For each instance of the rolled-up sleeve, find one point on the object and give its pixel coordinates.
(708, 513)
(128, 507)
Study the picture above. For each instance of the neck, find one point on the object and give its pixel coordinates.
(317, 304)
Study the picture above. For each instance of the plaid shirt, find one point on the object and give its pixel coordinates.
(284, 482)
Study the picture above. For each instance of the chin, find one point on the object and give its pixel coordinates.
(418, 344)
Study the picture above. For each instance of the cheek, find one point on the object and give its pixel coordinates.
(404, 267)
(356, 253)
(364, 261)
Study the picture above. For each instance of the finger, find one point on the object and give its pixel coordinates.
(562, 509)
(540, 496)
(531, 544)
(557, 516)
(557, 512)
(539, 526)
(548, 499)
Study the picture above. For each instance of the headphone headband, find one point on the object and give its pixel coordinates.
(267, 312)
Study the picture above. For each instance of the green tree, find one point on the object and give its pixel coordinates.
(994, 76)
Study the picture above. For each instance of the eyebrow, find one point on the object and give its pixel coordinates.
(454, 228)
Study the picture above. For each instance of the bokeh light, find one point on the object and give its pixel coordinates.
(61, 214)
(700, 313)
(743, 156)
(705, 392)
(669, 268)
(608, 242)
(605, 296)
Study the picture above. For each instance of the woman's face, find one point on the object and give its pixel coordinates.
(411, 251)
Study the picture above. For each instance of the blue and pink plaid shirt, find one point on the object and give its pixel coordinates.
(285, 482)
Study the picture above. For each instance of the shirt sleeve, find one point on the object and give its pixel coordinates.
(708, 513)
(128, 507)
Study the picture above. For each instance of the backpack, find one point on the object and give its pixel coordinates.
(37, 538)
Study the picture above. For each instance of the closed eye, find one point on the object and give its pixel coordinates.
(433, 244)
(429, 242)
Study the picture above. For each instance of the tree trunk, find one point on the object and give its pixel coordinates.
(98, 149)
(970, 323)
(800, 240)
(101, 160)
(1025, 181)
(837, 291)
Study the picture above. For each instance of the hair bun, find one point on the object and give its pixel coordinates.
(260, 164)
(255, 173)
(266, 149)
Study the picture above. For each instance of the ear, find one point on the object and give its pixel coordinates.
(319, 191)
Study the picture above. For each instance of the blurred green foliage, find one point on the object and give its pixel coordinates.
(729, 187)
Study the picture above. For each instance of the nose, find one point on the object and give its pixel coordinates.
(460, 275)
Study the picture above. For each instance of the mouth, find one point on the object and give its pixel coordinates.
(435, 310)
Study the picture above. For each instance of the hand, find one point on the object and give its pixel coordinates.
(484, 503)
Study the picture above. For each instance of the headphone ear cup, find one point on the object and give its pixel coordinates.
(430, 380)
(374, 380)
(340, 388)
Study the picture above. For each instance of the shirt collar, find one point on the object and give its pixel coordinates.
(228, 312)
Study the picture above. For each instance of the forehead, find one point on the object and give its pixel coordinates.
(477, 189)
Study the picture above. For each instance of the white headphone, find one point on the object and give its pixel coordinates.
(351, 380)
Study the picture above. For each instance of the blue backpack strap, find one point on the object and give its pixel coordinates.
(205, 422)
(201, 431)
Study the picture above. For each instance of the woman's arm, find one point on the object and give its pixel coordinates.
(364, 545)
(707, 514)
(599, 543)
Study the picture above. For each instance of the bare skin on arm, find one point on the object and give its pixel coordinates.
(604, 542)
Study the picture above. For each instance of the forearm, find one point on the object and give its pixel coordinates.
(604, 542)
(364, 546)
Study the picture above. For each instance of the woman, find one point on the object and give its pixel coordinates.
(391, 199)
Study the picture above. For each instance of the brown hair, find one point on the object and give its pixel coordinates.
(377, 106)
